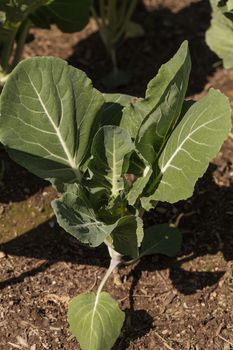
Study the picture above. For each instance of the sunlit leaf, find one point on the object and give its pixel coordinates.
(48, 118)
(96, 321)
(169, 78)
(194, 142)
(219, 36)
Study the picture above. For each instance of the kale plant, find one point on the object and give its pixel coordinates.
(219, 36)
(17, 16)
(111, 157)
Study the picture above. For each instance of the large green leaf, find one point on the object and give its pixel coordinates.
(158, 114)
(96, 321)
(70, 15)
(48, 116)
(168, 81)
(157, 127)
(161, 239)
(76, 216)
(219, 36)
(148, 173)
(110, 146)
(194, 142)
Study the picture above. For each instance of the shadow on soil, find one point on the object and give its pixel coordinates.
(16, 183)
(207, 225)
(164, 32)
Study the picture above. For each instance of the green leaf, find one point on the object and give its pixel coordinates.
(95, 321)
(111, 112)
(230, 5)
(170, 81)
(110, 146)
(161, 239)
(70, 15)
(127, 236)
(157, 127)
(219, 36)
(195, 141)
(48, 117)
(14, 12)
(76, 216)
(139, 185)
(148, 174)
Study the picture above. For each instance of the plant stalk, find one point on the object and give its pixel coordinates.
(114, 61)
(112, 14)
(102, 10)
(116, 259)
(6, 53)
(25, 26)
(100, 25)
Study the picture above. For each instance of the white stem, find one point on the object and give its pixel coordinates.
(116, 260)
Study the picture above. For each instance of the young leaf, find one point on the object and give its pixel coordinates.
(75, 215)
(110, 146)
(194, 142)
(175, 71)
(219, 36)
(111, 112)
(48, 116)
(96, 321)
(161, 239)
(139, 185)
(127, 236)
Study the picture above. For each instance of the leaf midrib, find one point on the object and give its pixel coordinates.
(114, 187)
(168, 163)
(70, 159)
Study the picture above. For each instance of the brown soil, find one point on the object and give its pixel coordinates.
(182, 304)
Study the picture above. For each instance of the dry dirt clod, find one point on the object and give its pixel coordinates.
(2, 255)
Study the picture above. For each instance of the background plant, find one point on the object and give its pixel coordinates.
(111, 157)
(17, 16)
(113, 18)
(219, 36)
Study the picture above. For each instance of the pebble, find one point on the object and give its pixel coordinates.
(2, 255)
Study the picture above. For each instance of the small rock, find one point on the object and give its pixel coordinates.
(2, 255)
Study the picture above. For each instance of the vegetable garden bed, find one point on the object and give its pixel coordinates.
(183, 303)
